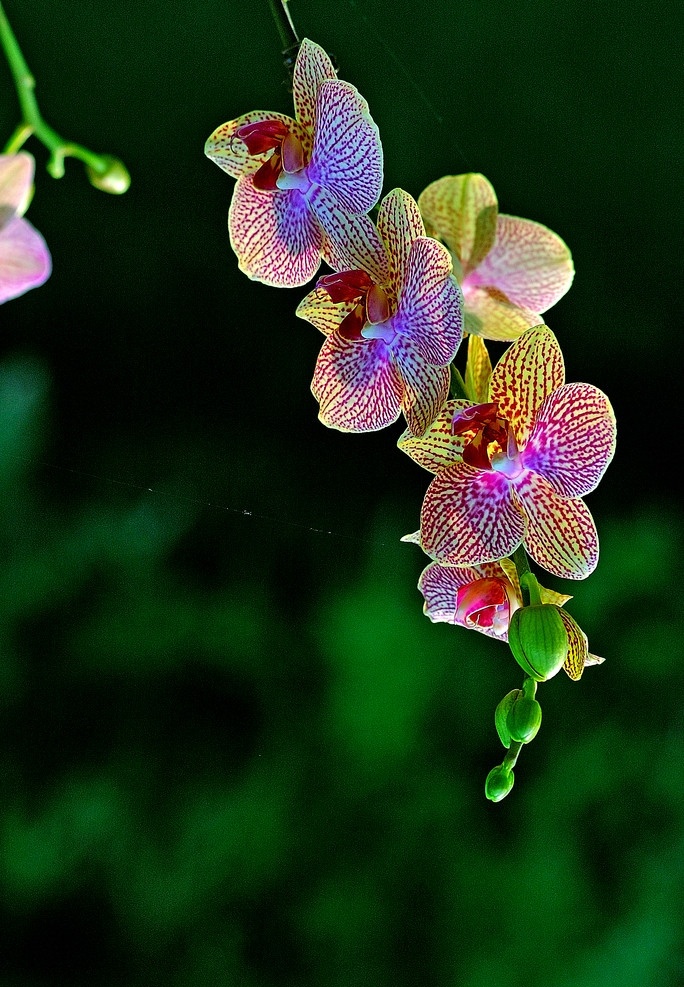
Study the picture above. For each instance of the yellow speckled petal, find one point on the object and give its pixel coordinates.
(313, 66)
(399, 224)
(478, 371)
(578, 648)
(461, 210)
(488, 313)
(230, 153)
(321, 311)
(438, 448)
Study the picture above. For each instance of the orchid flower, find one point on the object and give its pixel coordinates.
(511, 270)
(513, 470)
(303, 182)
(484, 598)
(25, 259)
(392, 317)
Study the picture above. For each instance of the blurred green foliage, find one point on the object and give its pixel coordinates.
(233, 749)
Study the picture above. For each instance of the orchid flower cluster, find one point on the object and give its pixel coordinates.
(513, 449)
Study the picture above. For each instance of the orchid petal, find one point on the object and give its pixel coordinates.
(351, 242)
(438, 447)
(529, 371)
(357, 385)
(573, 439)
(347, 153)
(399, 224)
(461, 210)
(440, 584)
(16, 181)
(312, 67)
(426, 387)
(230, 153)
(578, 647)
(469, 517)
(561, 535)
(276, 238)
(528, 263)
(24, 259)
(478, 371)
(321, 311)
(489, 314)
(429, 310)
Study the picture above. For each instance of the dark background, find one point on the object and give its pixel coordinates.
(232, 749)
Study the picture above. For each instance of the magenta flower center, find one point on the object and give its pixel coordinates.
(372, 303)
(492, 445)
(287, 159)
(484, 603)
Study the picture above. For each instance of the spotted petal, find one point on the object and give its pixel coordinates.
(351, 242)
(24, 259)
(478, 371)
(573, 439)
(321, 311)
(276, 238)
(528, 263)
(440, 584)
(426, 387)
(399, 224)
(16, 181)
(312, 67)
(461, 210)
(469, 517)
(347, 153)
(561, 535)
(437, 448)
(489, 314)
(356, 385)
(230, 153)
(429, 310)
(578, 648)
(529, 371)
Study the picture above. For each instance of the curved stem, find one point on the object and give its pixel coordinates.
(528, 581)
(288, 36)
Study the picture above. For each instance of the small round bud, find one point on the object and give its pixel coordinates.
(524, 720)
(538, 639)
(498, 783)
(501, 715)
(114, 178)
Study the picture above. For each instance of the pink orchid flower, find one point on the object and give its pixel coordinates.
(25, 261)
(392, 318)
(513, 471)
(485, 597)
(302, 183)
(511, 270)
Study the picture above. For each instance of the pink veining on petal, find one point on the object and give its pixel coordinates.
(429, 310)
(426, 387)
(573, 439)
(276, 238)
(399, 225)
(439, 447)
(480, 597)
(319, 309)
(469, 517)
(350, 241)
(561, 535)
(347, 153)
(232, 154)
(357, 385)
(312, 67)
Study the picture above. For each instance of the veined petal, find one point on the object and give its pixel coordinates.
(230, 153)
(399, 224)
(351, 242)
(529, 371)
(275, 236)
(430, 312)
(440, 587)
(16, 180)
(488, 313)
(347, 153)
(321, 311)
(24, 259)
(469, 517)
(426, 387)
(529, 263)
(478, 371)
(357, 385)
(578, 647)
(461, 210)
(561, 535)
(312, 67)
(573, 439)
(437, 448)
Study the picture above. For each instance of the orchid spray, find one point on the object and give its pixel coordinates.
(513, 449)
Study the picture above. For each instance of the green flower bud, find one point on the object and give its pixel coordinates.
(524, 719)
(113, 179)
(538, 640)
(501, 714)
(498, 783)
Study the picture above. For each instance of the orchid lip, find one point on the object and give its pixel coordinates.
(298, 180)
(382, 330)
(512, 468)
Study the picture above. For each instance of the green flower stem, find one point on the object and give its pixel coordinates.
(33, 123)
(288, 36)
(511, 757)
(528, 582)
(529, 687)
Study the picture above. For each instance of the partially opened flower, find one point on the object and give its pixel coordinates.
(392, 318)
(24, 257)
(302, 183)
(511, 270)
(513, 470)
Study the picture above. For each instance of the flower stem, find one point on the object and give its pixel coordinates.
(288, 36)
(528, 581)
(33, 123)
